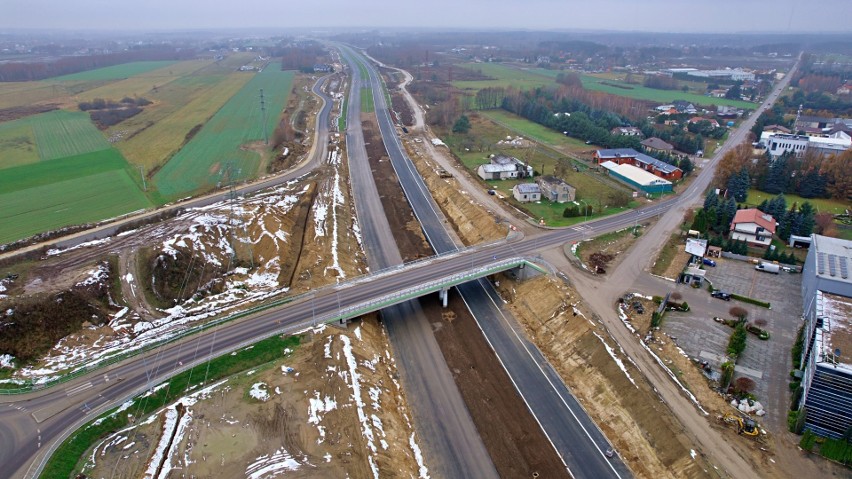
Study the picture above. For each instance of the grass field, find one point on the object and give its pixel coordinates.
(822, 205)
(367, 105)
(153, 136)
(537, 132)
(505, 76)
(202, 162)
(143, 84)
(17, 144)
(115, 72)
(52, 194)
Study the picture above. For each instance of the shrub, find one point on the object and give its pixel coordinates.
(798, 347)
(656, 319)
(727, 374)
(676, 296)
(746, 299)
(761, 322)
(737, 343)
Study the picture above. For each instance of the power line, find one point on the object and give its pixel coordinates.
(263, 115)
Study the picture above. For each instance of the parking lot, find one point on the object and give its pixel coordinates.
(766, 362)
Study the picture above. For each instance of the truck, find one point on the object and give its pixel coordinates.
(768, 268)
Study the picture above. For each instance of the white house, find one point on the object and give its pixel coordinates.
(489, 171)
(526, 192)
(753, 226)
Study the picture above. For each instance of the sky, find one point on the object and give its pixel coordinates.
(783, 16)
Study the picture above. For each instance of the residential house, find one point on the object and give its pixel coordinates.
(724, 111)
(698, 119)
(626, 131)
(629, 156)
(718, 93)
(555, 189)
(777, 129)
(526, 192)
(683, 106)
(826, 365)
(501, 167)
(753, 226)
(656, 144)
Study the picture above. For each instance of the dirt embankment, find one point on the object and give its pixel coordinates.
(331, 408)
(469, 219)
(624, 406)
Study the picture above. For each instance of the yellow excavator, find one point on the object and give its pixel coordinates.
(745, 426)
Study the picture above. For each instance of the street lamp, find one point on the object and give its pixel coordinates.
(585, 210)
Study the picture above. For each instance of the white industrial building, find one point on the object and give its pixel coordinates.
(735, 74)
(637, 177)
(778, 143)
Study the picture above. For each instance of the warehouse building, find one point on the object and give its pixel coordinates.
(637, 177)
(827, 352)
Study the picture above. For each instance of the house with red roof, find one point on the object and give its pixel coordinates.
(753, 226)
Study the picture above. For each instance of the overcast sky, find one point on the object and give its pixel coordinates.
(635, 15)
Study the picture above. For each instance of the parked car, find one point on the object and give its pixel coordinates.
(768, 268)
(721, 295)
(709, 262)
(492, 192)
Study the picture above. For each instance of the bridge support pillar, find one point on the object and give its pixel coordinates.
(444, 294)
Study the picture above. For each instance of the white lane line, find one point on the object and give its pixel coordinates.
(78, 389)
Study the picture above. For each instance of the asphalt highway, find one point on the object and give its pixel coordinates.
(570, 430)
(30, 423)
(446, 432)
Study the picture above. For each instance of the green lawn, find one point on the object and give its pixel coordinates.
(200, 164)
(367, 101)
(822, 205)
(533, 130)
(115, 72)
(503, 77)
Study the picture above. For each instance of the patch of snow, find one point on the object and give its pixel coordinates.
(675, 379)
(418, 456)
(357, 333)
(259, 391)
(693, 453)
(355, 385)
(616, 359)
(7, 361)
(271, 465)
(95, 276)
(170, 423)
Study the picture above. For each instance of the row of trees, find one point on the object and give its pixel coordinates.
(810, 176)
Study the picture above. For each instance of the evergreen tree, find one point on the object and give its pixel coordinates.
(699, 223)
(777, 178)
(764, 206)
(738, 185)
(729, 209)
(805, 222)
(812, 185)
(711, 200)
(777, 207)
(686, 165)
(462, 125)
(785, 225)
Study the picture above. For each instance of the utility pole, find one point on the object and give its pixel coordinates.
(263, 114)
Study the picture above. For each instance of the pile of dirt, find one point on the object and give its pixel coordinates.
(331, 408)
(469, 219)
(611, 389)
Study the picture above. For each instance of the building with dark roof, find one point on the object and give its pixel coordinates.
(656, 144)
(555, 189)
(526, 192)
(630, 156)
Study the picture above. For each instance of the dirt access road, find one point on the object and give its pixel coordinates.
(601, 297)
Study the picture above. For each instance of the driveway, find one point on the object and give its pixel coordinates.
(767, 362)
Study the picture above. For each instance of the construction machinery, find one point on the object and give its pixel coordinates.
(745, 426)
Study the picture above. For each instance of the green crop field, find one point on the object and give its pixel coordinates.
(65, 133)
(525, 79)
(52, 194)
(144, 84)
(115, 72)
(201, 164)
(150, 138)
